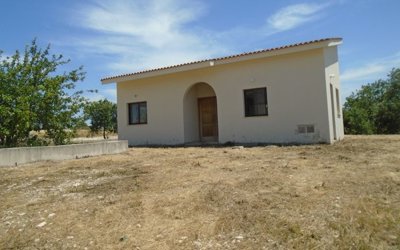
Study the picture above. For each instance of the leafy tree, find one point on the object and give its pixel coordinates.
(375, 108)
(102, 115)
(388, 115)
(34, 97)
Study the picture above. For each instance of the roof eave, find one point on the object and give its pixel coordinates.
(226, 60)
(284, 51)
(165, 71)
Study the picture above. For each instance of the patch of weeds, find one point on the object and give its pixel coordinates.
(367, 222)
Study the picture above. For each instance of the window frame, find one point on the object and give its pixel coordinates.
(265, 92)
(138, 111)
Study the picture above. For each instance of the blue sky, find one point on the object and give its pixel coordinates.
(123, 36)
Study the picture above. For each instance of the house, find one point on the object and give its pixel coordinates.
(289, 94)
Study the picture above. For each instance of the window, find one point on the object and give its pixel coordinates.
(301, 129)
(305, 129)
(337, 103)
(137, 113)
(255, 102)
(310, 129)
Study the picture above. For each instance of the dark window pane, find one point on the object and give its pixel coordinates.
(133, 113)
(255, 102)
(143, 113)
(301, 129)
(310, 129)
(137, 113)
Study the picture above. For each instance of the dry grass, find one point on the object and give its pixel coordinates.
(86, 133)
(342, 196)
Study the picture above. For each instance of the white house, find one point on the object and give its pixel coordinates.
(289, 94)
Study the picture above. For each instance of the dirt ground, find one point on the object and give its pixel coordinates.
(341, 196)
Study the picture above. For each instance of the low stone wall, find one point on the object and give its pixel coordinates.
(15, 156)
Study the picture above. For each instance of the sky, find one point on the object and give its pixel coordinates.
(110, 37)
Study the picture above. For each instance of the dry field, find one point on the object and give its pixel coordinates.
(342, 196)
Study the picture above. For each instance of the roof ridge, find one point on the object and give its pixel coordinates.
(223, 57)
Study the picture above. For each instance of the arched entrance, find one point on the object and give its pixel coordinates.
(200, 114)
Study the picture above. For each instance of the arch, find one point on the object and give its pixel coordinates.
(200, 115)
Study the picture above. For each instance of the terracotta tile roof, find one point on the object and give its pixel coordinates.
(222, 58)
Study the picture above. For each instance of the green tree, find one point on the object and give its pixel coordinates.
(102, 115)
(34, 97)
(375, 108)
(388, 115)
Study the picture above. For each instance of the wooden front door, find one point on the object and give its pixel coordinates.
(208, 119)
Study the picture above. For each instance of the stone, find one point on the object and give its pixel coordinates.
(239, 237)
(41, 224)
(197, 243)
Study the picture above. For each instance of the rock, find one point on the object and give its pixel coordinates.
(239, 237)
(41, 224)
(238, 147)
(320, 185)
(70, 237)
(197, 243)
(51, 215)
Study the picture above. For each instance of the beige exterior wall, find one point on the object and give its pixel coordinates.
(334, 111)
(297, 90)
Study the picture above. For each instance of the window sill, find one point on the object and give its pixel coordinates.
(248, 116)
(137, 124)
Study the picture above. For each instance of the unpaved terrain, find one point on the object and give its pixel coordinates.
(342, 196)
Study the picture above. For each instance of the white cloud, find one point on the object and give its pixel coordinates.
(362, 72)
(144, 34)
(295, 15)
(107, 93)
(354, 78)
(372, 70)
(5, 57)
(111, 94)
(135, 35)
(94, 97)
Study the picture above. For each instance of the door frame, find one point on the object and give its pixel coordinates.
(214, 138)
